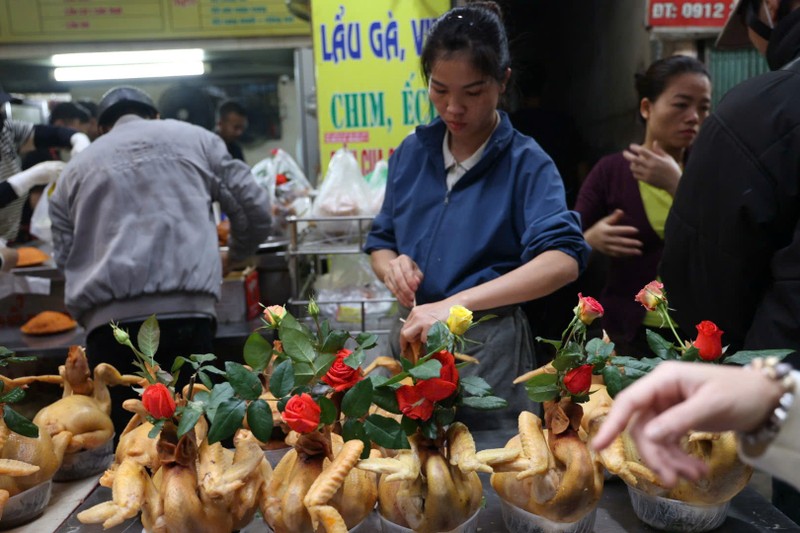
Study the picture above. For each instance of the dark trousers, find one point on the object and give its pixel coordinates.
(178, 337)
(787, 499)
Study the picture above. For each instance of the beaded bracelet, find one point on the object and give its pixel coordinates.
(755, 442)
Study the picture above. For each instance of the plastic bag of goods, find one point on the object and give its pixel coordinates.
(289, 189)
(343, 193)
(349, 282)
(376, 187)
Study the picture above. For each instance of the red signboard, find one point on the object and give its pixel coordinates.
(688, 14)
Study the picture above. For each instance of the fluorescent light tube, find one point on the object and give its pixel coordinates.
(127, 58)
(128, 72)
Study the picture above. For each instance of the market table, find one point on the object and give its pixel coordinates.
(749, 511)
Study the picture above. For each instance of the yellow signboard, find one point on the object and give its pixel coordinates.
(370, 93)
(37, 21)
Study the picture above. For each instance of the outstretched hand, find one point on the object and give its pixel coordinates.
(660, 408)
(420, 320)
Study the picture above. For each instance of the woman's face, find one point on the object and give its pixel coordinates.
(464, 97)
(674, 118)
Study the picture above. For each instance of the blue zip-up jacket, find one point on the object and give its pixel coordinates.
(502, 213)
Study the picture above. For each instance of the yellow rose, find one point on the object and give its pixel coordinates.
(460, 319)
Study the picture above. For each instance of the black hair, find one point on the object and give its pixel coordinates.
(127, 107)
(89, 106)
(654, 81)
(476, 29)
(231, 106)
(69, 111)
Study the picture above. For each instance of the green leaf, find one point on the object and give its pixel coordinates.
(475, 385)
(329, 411)
(281, 382)
(156, 429)
(357, 400)
(148, 337)
(554, 343)
(353, 429)
(691, 354)
(613, 379)
(742, 357)
(386, 432)
(178, 364)
(635, 368)
(13, 396)
(598, 348)
(5, 352)
(245, 382)
(189, 417)
(19, 424)
(297, 346)
(429, 429)
(205, 380)
(322, 363)
(484, 402)
(227, 420)
(444, 417)
(289, 322)
(335, 341)
(406, 364)
(219, 394)
(543, 387)
(201, 358)
(355, 359)
(367, 340)
(21, 358)
(303, 374)
(409, 425)
(660, 346)
(439, 338)
(567, 359)
(259, 418)
(213, 370)
(257, 352)
(386, 398)
(427, 370)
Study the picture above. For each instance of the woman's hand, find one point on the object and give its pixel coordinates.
(402, 277)
(655, 167)
(611, 239)
(419, 321)
(677, 397)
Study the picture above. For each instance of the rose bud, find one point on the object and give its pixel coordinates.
(273, 314)
(302, 413)
(578, 380)
(157, 400)
(588, 309)
(340, 376)
(313, 308)
(460, 319)
(651, 295)
(708, 341)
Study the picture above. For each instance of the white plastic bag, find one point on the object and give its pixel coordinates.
(376, 186)
(343, 193)
(289, 189)
(41, 225)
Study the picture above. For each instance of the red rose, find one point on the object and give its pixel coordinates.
(157, 400)
(578, 380)
(437, 389)
(302, 413)
(340, 376)
(588, 309)
(413, 404)
(651, 295)
(708, 341)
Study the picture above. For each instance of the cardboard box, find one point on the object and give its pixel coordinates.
(239, 297)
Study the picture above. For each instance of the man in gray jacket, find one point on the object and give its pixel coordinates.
(134, 232)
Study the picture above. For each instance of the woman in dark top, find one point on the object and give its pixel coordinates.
(626, 197)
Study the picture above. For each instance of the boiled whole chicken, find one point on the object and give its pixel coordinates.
(555, 475)
(727, 474)
(316, 487)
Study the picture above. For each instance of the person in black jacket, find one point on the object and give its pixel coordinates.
(732, 239)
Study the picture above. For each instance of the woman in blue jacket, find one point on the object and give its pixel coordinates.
(474, 212)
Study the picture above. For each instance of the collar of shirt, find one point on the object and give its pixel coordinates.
(456, 170)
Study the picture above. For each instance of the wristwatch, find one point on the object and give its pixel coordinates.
(755, 442)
